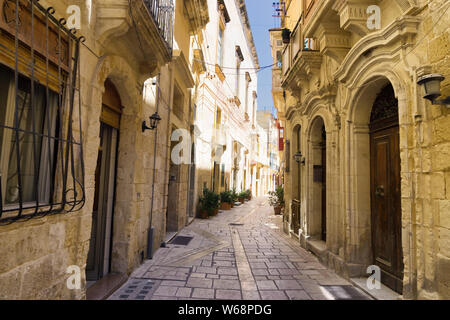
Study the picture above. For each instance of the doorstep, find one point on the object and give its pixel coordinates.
(293, 234)
(384, 293)
(106, 286)
(170, 236)
(318, 247)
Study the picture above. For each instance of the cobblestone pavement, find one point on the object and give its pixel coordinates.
(240, 254)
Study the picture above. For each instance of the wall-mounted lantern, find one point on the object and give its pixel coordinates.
(432, 86)
(154, 120)
(298, 157)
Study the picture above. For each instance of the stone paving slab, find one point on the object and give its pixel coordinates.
(227, 262)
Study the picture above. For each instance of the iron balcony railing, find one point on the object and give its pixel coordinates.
(162, 12)
(296, 221)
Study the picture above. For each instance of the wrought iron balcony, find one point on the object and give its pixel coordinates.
(162, 12)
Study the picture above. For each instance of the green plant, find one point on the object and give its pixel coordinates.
(209, 201)
(242, 195)
(226, 197)
(248, 194)
(276, 198)
(286, 34)
(234, 195)
(202, 208)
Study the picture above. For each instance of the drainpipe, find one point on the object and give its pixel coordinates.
(150, 235)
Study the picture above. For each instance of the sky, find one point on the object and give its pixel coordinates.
(260, 14)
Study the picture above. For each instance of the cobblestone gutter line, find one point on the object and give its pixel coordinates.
(248, 283)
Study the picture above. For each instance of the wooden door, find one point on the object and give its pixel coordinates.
(173, 198)
(98, 263)
(100, 247)
(385, 190)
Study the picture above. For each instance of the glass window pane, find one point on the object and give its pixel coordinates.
(35, 142)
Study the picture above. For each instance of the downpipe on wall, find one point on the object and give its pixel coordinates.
(151, 229)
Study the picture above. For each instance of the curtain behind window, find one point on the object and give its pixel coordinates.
(35, 140)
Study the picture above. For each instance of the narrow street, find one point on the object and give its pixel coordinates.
(240, 254)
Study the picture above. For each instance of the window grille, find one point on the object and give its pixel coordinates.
(41, 159)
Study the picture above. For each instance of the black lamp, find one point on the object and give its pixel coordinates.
(154, 120)
(298, 157)
(432, 86)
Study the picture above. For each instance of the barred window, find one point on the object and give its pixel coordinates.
(29, 139)
(41, 158)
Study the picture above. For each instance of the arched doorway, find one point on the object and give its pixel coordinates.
(318, 173)
(296, 182)
(192, 183)
(172, 216)
(386, 188)
(100, 248)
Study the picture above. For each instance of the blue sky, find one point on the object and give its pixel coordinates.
(260, 14)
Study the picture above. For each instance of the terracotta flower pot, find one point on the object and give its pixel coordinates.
(203, 214)
(242, 200)
(277, 210)
(225, 206)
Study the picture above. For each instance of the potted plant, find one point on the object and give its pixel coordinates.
(225, 200)
(213, 202)
(276, 200)
(202, 208)
(234, 197)
(286, 35)
(208, 204)
(242, 196)
(248, 194)
(216, 203)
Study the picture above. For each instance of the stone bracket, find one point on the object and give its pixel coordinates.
(353, 15)
(182, 68)
(130, 22)
(197, 13)
(334, 42)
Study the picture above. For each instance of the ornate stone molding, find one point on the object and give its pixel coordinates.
(114, 25)
(199, 64)
(182, 68)
(326, 96)
(353, 15)
(307, 64)
(220, 73)
(312, 61)
(197, 13)
(408, 6)
(397, 35)
(292, 111)
(334, 42)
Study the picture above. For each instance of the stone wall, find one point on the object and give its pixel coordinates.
(216, 93)
(36, 254)
(340, 91)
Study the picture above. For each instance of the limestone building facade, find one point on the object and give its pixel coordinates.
(102, 205)
(225, 100)
(367, 158)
